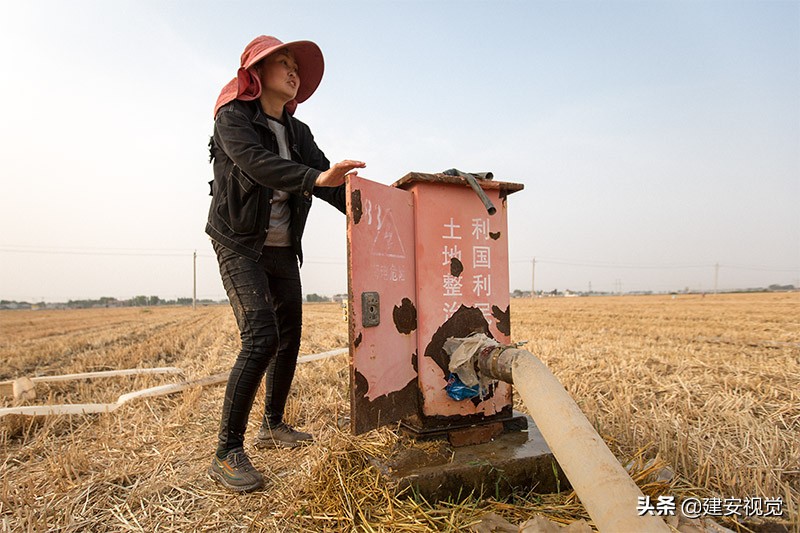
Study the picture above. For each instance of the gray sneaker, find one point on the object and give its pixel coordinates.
(281, 436)
(236, 472)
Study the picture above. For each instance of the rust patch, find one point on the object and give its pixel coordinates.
(405, 317)
(456, 267)
(494, 235)
(356, 208)
(358, 340)
(383, 410)
(434, 425)
(503, 319)
(505, 187)
(465, 321)
(414, 362)
(476, 401)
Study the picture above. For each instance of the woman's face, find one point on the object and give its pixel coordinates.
(279, 77)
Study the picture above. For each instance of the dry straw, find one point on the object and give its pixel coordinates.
(707, 387)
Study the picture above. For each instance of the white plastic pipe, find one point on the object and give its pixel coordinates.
(607, 492)
(108, 374)
(23, 388)
(88, 408)
(160, 390)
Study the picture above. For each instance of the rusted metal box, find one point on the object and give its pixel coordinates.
(425, 262)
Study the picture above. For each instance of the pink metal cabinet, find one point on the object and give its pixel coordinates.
(432, 256)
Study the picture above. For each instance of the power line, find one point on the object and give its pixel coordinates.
(175, 252)
(667, 266)
(766, 269)
(605, 264)
(137, 252)
(97, 251)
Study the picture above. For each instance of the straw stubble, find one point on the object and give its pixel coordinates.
(706, 388)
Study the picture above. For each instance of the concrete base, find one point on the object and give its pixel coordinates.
(517, 461)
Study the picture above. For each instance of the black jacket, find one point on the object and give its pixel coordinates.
(247, 168)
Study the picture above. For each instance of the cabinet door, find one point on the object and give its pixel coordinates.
(382, 310)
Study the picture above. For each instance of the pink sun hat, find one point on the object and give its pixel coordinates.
(246, 85)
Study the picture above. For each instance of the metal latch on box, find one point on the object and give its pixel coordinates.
(370, 309)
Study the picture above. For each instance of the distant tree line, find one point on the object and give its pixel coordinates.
(517, 293)
(780, 288)
(103, 301)
(149, 301)
(314, 298)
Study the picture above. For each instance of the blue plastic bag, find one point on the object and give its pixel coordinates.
(458, 391)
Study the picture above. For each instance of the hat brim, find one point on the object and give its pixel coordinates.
(310, 65)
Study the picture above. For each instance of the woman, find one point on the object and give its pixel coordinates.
(266, 169)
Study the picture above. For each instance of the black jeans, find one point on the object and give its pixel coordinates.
(267, 301)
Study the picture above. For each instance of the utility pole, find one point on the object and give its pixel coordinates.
(194, 280)
(533, 277)
(716, 276)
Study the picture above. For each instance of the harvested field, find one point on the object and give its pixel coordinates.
(709, 386)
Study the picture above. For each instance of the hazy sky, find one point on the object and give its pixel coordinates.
(655, 139)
